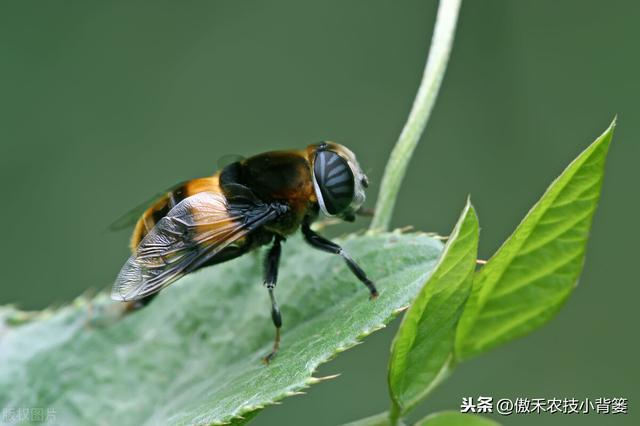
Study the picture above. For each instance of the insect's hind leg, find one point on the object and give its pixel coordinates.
(271, 263)
(136, 305)
(318, 241)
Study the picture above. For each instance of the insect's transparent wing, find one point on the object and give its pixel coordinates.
(131, 217)
(194, 231)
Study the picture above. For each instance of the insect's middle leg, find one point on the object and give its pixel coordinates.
(271, 263)
(318, 241)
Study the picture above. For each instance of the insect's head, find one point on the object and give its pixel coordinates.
(338, 180)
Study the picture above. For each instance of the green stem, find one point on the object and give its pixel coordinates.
(394, 415)
(395, 170)
(381, 419)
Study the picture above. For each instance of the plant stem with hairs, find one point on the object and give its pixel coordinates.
(435, 67)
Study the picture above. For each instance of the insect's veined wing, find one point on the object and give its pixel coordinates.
(194, 231)
(131, 217)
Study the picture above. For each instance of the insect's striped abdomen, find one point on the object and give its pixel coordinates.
(164, 204)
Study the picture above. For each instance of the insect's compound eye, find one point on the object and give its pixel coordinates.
(335, 181)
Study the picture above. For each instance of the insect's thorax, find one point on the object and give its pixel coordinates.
(281, 176)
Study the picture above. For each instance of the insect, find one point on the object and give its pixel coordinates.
(249, 203)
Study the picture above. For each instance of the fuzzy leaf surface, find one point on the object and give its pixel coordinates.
(193, 356)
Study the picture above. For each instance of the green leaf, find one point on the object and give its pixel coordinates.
(193, 356)
(423, 346)
(453, 418)
(528, 279)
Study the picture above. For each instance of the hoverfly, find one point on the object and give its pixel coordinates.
(249, 203)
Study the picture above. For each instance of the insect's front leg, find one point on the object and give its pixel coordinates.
(271, 263)
(318, 241)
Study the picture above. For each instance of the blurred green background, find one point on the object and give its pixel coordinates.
(104, 103)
